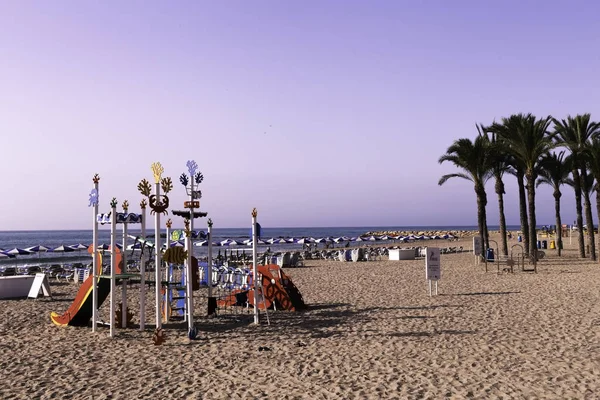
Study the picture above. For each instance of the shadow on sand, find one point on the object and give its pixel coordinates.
(431, 334)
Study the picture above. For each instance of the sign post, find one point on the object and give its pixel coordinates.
(433, 271)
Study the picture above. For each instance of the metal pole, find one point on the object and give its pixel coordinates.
(188, 270)
(254, 266)
(168, 275)
(157, 259)
(113, 267)
(143, 271)
(429, 280)
(124, 271)
(95, 260)
(209, 268)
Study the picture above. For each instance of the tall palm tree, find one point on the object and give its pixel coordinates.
(472, 157)
(592, 158)
(507, 127)
(575, 133)
(500, 163)
(527, 144)
(554, 171)
(587, 182)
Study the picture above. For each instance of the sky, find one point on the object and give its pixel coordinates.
(317, 113)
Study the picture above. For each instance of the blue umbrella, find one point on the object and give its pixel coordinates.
(37, 249)
(63, 249)
(17, 252)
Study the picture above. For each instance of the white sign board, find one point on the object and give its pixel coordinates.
(433, 271)
(477, 248)
(40, 283)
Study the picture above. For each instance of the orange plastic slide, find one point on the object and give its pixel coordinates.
(80, 311)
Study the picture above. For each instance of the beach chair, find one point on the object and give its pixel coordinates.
(54, 270)
(34, 269)
(283, 260)
(295, 260)
(356, 255)
(61, 273)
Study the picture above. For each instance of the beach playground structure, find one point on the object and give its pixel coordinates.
(183, 274)
(275, 289)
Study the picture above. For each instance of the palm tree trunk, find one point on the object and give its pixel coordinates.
(598, 199)
(485, 225)
(532, 221)
(481, 220)
(523, 210)
(558, 222)
(589, 220)
(500, 193)
(577, 188)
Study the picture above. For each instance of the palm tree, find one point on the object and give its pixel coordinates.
(511, 126)
(587, 182)
(575, 133)
(500, 162)
(592, 158)
(527, 144)
(472, 157)
(554, 171)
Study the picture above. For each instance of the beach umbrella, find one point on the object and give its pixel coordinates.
(290, 240)
(178, 243)
(37, 249)
(280, 241)
(79, 246)
(271, 241)
(259, 241)
(205, 243)
(63, 249)
(303, 241)
(4, 255)
(17, 252)
(228, 242)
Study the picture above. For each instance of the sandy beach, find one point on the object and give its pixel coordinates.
(372, 331)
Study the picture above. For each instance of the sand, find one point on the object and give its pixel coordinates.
(372, 332)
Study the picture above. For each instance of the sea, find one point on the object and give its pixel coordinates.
(55, 238)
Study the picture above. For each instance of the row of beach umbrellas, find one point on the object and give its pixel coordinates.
(227, 242)
(43, 249)
(304, 240)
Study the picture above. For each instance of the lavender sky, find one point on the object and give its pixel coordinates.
(318, 113)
